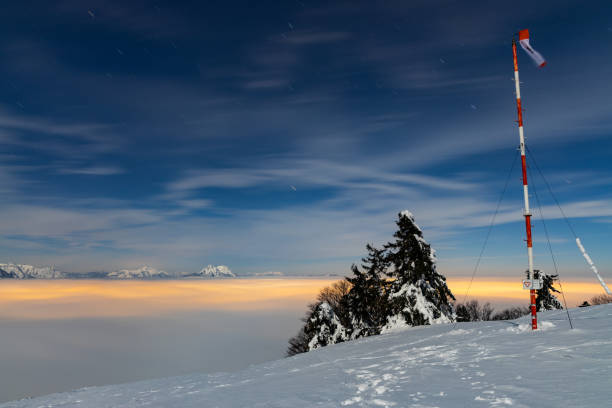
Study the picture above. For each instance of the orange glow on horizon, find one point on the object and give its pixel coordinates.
(511, 291)
(62, 299)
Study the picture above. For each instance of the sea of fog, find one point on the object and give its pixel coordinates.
(62, 335)
(66, 334)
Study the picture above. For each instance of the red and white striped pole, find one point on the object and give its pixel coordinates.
(527, 214)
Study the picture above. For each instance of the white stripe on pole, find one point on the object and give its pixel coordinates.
(592, 265)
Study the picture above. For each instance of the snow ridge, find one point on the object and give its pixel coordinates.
(17, 271)
(142, 272)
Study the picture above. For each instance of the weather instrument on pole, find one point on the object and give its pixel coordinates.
(532, 283)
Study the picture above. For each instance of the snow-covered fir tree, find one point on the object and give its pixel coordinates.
(366, 302)
(419, 294)
(396, 286)
(323, 327)
(545, 299)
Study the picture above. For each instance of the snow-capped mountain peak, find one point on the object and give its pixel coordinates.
(220, 271)
(142, 272)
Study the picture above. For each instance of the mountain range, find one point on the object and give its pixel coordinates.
(18, 271)
(15, 271)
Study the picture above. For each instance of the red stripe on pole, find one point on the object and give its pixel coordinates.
(520, 111)
(524, 166)
(514, 55)
(528, 228)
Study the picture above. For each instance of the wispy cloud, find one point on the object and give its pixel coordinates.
(66, 140)
(312, 173)
(93, 171)
(195, 204)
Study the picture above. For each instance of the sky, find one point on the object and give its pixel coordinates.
(284, 136)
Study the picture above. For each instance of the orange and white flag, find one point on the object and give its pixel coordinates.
(535, 56)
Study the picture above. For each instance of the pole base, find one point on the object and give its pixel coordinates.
(534, 313)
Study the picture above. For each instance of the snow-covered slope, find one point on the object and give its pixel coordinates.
(16, 271)
(143, 272)
(215, 272)
(487, 364)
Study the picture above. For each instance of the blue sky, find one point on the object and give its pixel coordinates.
(284, 137)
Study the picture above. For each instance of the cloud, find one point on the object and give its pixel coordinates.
(363, 123)
(93, 171)
(37, 220)
(313, 173)
(195, 204)
(34, 124)
(230, 178)
(67, 140)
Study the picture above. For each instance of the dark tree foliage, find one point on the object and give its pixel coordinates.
(366, 300)
(545, 299)
(298, 343)
(512, 313)
(332, 295)
(411, 262)
(473, 311)
(600, 300)
(323, 327)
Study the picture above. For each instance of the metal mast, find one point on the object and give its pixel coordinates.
(531, 282)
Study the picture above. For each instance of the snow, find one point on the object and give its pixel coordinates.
(17, 271)
(331, 328)
(407, 213)
(423, 244)
(483, 364)
(143, 272)
(214, 272)
(421, 305)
